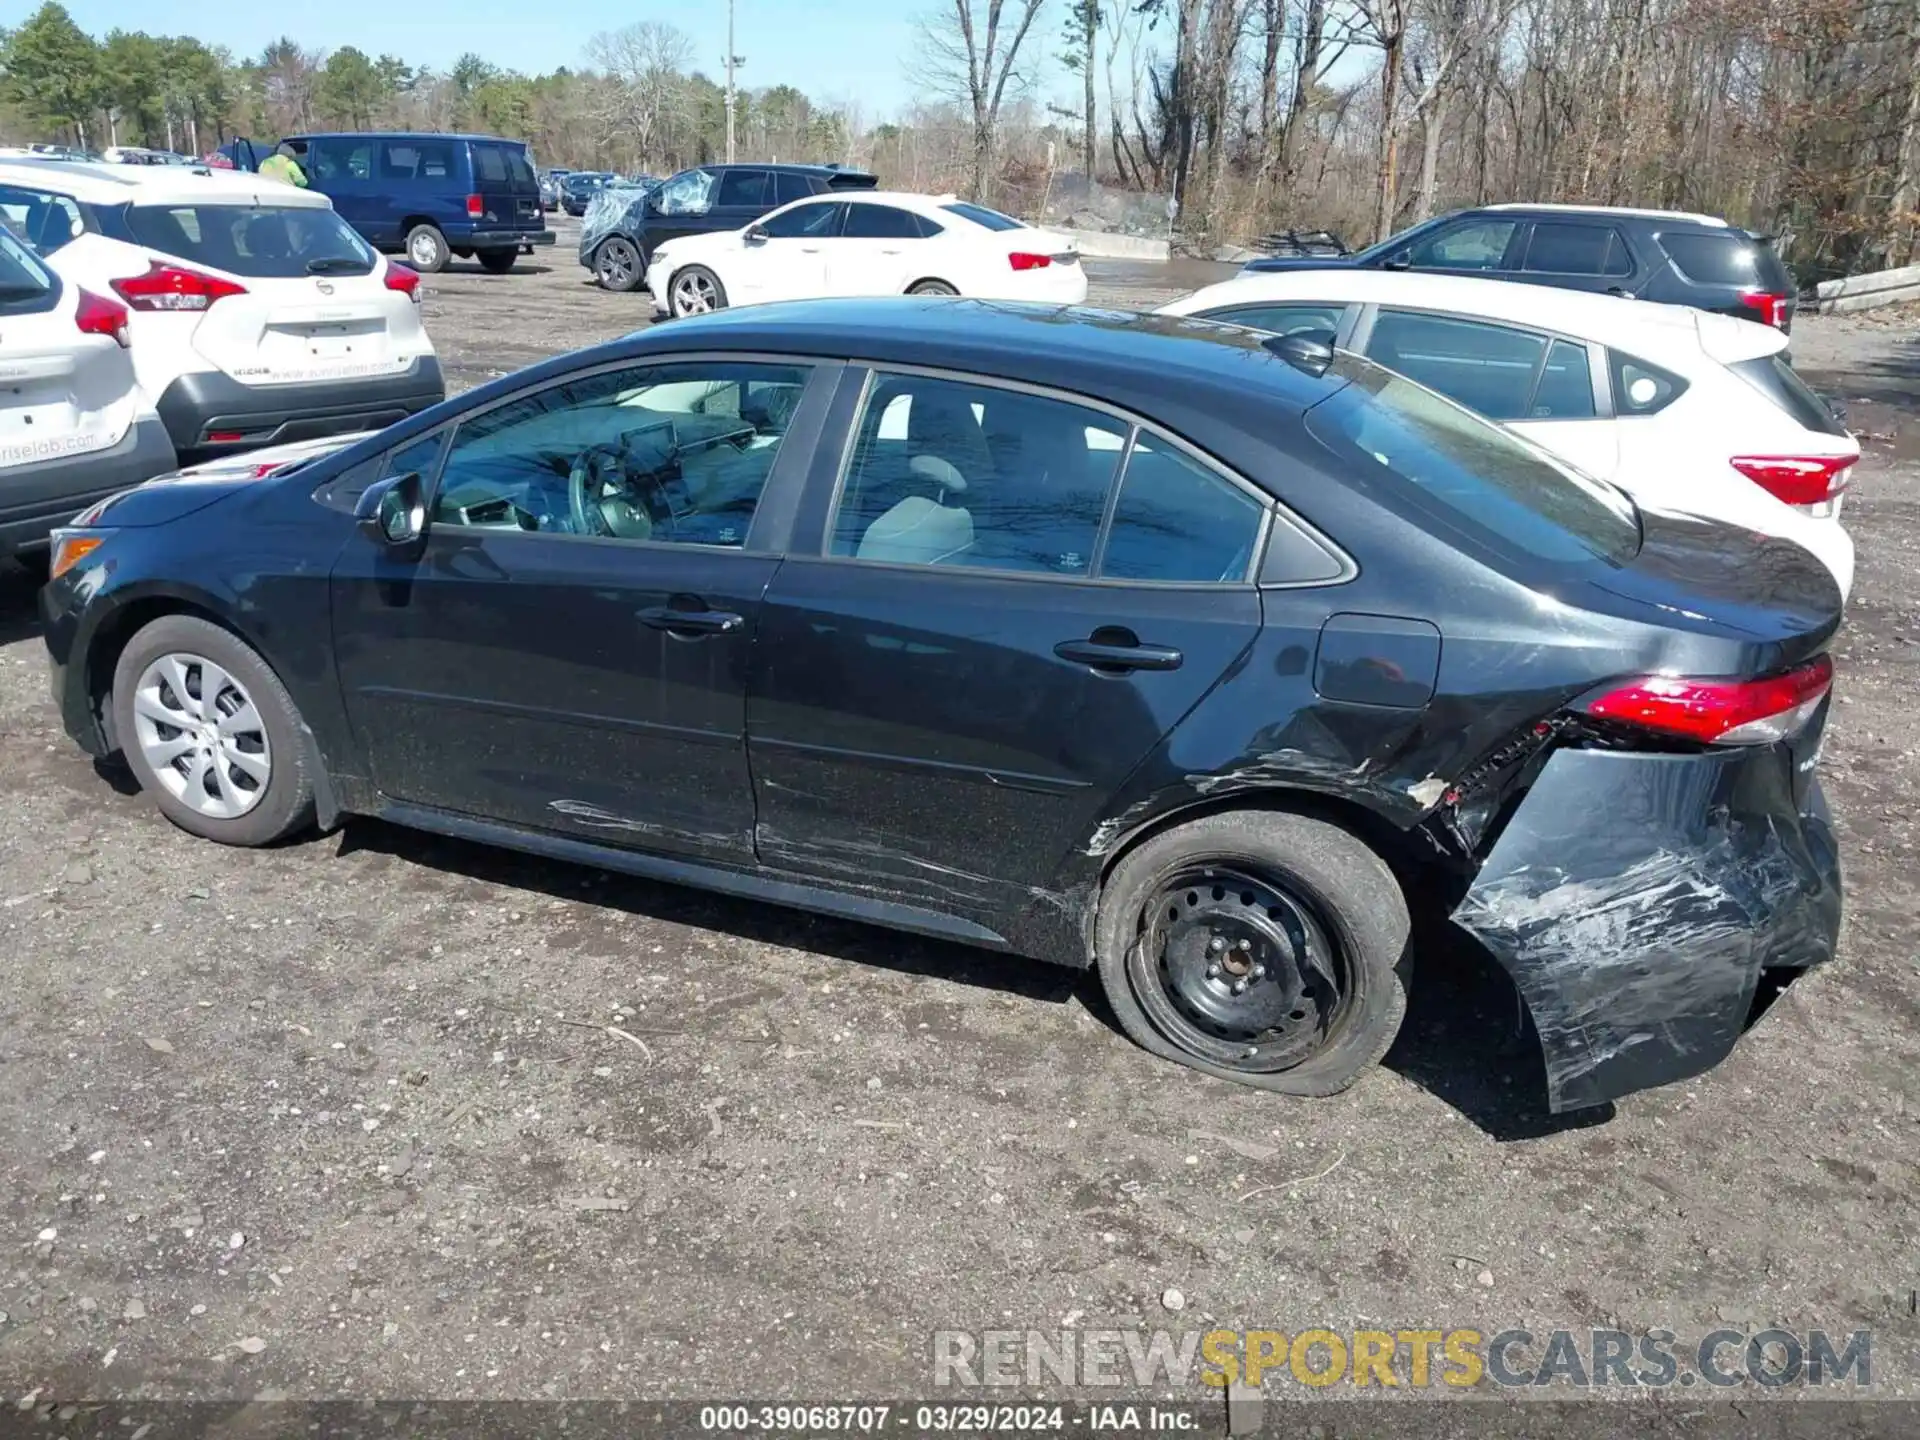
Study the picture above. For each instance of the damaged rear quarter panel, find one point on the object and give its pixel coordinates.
(1634, 899)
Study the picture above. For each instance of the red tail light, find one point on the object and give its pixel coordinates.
(1720, 712)
(1797, 479)
(1026, 260)
(174, 287)
(100, 316)
(476, 206)
(1772, 308)
(405, 280)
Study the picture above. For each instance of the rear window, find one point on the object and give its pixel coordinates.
(981, 215)
(1774, 378)
(265, 241)
(1415, 450)
(1729, 259)
(489, 165)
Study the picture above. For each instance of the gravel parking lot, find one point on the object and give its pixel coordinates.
(353, 1102)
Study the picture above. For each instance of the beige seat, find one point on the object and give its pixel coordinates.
(919, 531)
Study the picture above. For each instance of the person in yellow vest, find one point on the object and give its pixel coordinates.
(283, 167)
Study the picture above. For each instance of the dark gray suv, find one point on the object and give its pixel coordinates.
(1663, 255)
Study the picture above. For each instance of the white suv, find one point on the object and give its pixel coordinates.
(74, 426)
(257, 315)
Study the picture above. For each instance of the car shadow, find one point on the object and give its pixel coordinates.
(474, 267)
(20, 601)
(754, 920)
(1466, 1039)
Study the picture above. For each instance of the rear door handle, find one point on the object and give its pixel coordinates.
(691, 622)
(1119, 658)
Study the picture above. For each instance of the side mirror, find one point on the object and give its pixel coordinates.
(393, 511)
(756, 234)
(1305, 350)
(1399, 260)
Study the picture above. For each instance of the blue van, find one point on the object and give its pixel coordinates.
(427, 197)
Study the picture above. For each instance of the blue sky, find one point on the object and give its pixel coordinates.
(831, 49)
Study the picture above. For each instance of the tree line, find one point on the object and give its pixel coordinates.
(1797, 117)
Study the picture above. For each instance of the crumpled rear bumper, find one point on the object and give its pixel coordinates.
(1635, 899)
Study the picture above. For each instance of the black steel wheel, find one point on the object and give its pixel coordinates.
(1260, 946)
(1233, 966)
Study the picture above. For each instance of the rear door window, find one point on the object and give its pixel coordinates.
(1419, 454)
(1565, 391)
(489, 167)
(1556, 248)
(789, 187)
(1176, 520)
(880, 222)
(1488, 368)
(746, 189)
(264, 241)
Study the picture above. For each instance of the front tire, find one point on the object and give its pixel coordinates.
(931, 287)
(1258, 946)
(696, 290)
(211, 734)
(427, 249)
(497, 262)
(617, 266)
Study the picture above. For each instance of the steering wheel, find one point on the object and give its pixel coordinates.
(604, 499)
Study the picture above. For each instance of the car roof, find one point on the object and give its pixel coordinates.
(1609, 319)
(1628, 211)
(787, 167)
(400, 135)
(108, 184)
(1036, 343)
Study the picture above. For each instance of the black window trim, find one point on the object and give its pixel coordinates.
(1362, 335)
(1272, 511)
(789, 472)
(1612, 356)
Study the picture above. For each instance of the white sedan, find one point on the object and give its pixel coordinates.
(867, 242)
(1685, 411)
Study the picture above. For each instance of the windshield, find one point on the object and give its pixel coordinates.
(1415, 450)
(264, 241)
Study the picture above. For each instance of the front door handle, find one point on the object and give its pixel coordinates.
(1116, 656)
(690, 622)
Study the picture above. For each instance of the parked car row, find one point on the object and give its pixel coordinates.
(241, 312)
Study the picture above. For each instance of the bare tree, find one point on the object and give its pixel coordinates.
(970, 53)
(648, 89)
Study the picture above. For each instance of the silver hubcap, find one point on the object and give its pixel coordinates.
(615, 265)
(423, 250)
(693, 295)
(201, 736)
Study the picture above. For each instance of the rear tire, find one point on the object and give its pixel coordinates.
(1303, 917)
(696, 290)
(211, 734)
(617, 265)
(932, 287)
(427, 249)
(497, 262)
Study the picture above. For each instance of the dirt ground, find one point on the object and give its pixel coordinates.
(352, 1101)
